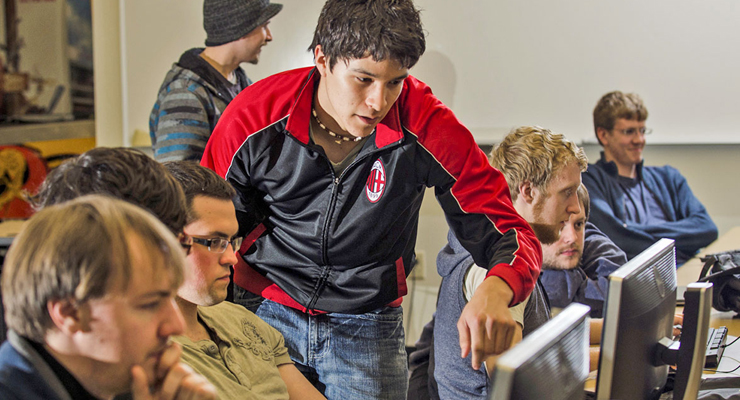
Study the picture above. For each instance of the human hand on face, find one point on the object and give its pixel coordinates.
(173, 380)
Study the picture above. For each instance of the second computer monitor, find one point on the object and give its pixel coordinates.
(637, 344)
(638, 313)
(550, 363)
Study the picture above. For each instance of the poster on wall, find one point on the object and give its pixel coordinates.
(46, 72)
(80, 53)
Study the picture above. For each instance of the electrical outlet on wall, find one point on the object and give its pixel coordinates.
(420, 269)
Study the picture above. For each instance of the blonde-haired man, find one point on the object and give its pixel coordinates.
(89, 289)
(538, 164)
(543, 172)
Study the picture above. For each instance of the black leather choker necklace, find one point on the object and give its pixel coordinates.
(338, 139)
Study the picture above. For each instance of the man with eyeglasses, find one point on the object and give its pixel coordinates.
(240, 354)
(636, 205)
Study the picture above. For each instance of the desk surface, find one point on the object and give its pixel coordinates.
(726, 319)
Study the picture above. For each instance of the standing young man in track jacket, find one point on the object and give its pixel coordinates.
(330, 165)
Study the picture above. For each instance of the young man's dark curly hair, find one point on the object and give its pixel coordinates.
(197, 180)
(381, 29)
(122, 173)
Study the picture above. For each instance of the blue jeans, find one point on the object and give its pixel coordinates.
(346, 356)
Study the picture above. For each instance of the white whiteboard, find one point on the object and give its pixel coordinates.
(501, 64)
(547, 62)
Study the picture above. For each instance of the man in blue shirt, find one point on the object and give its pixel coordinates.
(633, 204)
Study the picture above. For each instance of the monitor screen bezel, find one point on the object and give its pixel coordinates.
(613, 305)
(573, 317)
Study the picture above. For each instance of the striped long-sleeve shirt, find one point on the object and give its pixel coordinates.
(189, 104)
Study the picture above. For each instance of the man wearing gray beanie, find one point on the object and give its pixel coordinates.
(203, 82)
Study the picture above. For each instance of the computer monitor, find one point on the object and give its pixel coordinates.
(692, 350)
(636, 342)
(550, 363)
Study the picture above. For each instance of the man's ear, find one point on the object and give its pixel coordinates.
(67, 315)
(526, 192)
(601, 134)
(322, 62)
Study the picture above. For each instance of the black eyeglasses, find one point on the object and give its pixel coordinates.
(633, 131)
(186, 242)
(218, 245)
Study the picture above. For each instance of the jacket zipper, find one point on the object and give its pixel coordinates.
(325, 233)
(324, 248)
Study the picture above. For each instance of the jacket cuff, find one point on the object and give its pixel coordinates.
(507, 273)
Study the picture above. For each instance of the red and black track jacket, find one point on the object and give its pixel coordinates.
(324, 243)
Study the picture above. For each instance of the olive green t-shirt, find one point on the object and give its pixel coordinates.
(245, 363)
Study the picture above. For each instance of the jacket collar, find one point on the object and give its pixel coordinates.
(48, 372)
(388, 131)
(611, 167)
(191, 60)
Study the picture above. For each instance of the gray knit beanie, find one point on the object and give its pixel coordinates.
(229, 20)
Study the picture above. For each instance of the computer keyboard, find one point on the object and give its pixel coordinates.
(715, 346)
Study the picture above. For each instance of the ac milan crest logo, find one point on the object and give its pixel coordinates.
(375, 185)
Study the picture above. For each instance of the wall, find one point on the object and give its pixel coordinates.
(545, 62)
(107, 61)
(503, 64)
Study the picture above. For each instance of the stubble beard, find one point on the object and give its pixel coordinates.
(546, 233)
(552, 262)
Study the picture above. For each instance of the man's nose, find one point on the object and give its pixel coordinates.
(568, 234)
(574, 207)
(376, 98)
(173, 322)
(229, 257)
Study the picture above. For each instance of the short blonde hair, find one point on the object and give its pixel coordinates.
(77, 250)
(535, 155)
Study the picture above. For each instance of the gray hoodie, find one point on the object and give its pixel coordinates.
(455, 377)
